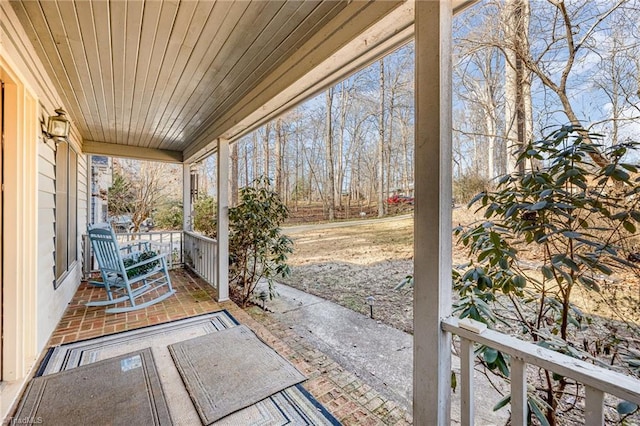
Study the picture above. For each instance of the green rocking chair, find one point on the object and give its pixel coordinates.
(133, 275)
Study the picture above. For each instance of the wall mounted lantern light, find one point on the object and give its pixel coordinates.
(58, 125)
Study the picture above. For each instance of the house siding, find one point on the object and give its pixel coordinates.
(52, 302)
(44, 304)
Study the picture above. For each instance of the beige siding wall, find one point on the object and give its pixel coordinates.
(38, 305)
(52, 302)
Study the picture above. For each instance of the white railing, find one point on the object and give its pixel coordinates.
(200, 256)
(597, 381)
(184, 248)
(164, 242)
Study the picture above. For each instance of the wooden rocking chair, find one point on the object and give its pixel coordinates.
(129, 272)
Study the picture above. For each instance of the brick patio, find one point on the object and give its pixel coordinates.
(342, 393)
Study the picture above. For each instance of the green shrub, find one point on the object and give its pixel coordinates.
(465, 187)
(576, 217)
(257, 249)
(169, 216)
(204, 216)
(137, 258)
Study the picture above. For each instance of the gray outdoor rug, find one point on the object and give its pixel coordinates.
(292, 406)
(229, 370)
(124, 390)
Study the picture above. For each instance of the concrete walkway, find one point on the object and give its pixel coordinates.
(379, 355)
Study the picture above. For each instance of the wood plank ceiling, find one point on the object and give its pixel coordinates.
(173, 75)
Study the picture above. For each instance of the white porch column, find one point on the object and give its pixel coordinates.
(432, 256)
(223, 220)
(186, 197)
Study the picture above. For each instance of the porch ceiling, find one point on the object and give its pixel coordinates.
(163, 80)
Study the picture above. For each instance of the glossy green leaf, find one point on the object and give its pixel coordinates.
(537, 206)
(504, 401)
(519, 281)
(490, 355)
(547, 272)
(533, 406)
(626, 407)
(629, 226)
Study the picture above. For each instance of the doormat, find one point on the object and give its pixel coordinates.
(123, 390)
(293, 406)
(230, 370)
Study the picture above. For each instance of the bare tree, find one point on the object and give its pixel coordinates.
(519, 120)
(149, 184)
(380, 168)
(618, 78)
(569, 34)
(278, 148)
(266, 140)
(330, 189)
(233, 177)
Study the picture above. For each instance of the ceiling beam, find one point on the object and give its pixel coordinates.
(128, 151)
(276, 95)
(460, 5)
(388, 34)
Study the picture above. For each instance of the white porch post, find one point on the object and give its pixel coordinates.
(223, 220)
(186, 197)
(432, 256)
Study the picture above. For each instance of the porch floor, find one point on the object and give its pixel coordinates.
(341, 392)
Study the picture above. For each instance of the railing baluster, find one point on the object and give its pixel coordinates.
(518, 392)
(205, 260)
(593, 406)
(201, 251)
(597, 380)
(210, 261)
(215, 265)
(467, 358)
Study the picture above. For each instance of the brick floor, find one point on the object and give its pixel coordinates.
(193, 297)
(340, 391)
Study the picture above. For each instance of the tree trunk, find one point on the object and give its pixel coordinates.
(390, 172)
(297, 180)
(380, 168)
(266, 149)
(517, 82)
(343, 118)
(234, 174)
(405, 156)
(331, 183)
(254, 169)
(246, 164)
(278, 157)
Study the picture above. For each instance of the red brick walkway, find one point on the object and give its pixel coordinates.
(341, 392)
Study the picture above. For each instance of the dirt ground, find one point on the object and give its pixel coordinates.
(347, 264)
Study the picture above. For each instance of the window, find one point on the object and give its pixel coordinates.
(66, 209)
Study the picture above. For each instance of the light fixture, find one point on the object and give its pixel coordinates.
(58, 125)
(371, 301)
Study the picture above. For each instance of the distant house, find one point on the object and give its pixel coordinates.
(101, 178)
